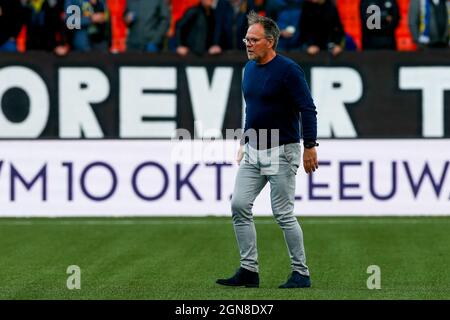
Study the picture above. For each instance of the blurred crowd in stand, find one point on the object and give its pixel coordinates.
(212, 26)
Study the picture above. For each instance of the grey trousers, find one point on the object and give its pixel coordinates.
(278, 166)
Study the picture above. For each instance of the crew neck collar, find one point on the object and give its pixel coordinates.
(267, 63)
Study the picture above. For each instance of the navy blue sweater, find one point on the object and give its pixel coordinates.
(278, 97)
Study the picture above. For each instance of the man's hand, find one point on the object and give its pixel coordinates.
(240, 155)
(98, 18)
(310, 163)
(61, 50)
(313, 50)
(337, 50)
(215, 50)
(182, 51)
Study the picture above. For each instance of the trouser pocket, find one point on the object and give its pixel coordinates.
(292, 155)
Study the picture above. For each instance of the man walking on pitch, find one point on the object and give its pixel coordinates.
(277, 99)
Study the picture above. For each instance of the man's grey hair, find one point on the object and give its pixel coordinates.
(270, 27)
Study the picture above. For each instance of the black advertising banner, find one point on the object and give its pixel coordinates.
(358, 95)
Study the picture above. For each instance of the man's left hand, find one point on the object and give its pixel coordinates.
(310, 163)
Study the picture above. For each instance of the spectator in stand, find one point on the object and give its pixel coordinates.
(177, 8)
(384, 36)
(195, 30)
(11, 20)
(225, 26)
(148, 22)
(231, 23)
(93, 35)
(43, 22)
(62, 32)
(321, 27)
(287, 14)
(428, 22)
(94, 26)
(247, 6)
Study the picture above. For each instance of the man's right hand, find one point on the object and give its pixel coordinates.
(240, 155)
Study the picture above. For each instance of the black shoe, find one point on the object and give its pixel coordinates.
(297, 280)
(243, 277)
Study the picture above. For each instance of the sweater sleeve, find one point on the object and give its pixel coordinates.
(243, 138)
(300, 94)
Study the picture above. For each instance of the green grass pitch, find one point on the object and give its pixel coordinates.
(180, 258)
